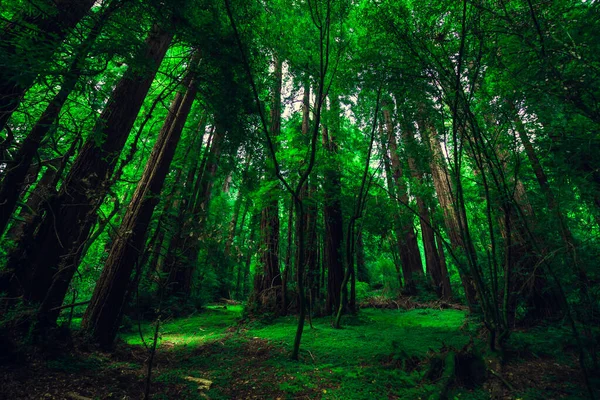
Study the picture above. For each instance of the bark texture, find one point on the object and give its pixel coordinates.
(103, 315)
(71, 215)
(409, 250)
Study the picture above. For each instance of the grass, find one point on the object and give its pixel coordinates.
(194, 330)
(335, 364)
(379, 354)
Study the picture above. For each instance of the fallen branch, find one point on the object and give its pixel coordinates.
(82, 303)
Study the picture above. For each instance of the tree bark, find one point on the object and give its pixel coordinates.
(183, 253)
(42, 192)
(432, 260)
(310, 216)
(443, 189)
(362, 274)
(268, 282)
(410, 256)
(102, 317)
(72, 214)
(14, 178)
(333, 258)
(392, 191)
(287, 265)
(542, 179)
(236, 210)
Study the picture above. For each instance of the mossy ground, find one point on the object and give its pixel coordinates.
(379, 354)
(354, 362)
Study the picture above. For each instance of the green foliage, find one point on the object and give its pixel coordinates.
(362, 291)
(483, 83)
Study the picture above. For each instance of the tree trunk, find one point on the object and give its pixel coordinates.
(287, 265)
(102, 317)
(13, 181)
(50, 23)
(237, 258)
(392, 191)
(236, 209)
(183, 254)
(268, 281)
(410, 257)
(185, 196)
(432, 260)
(443, 189)
(310, 217)
(333, 258)
(44, 189)
(542, 179)
(248, 258)
(446, 288)
(72, 214)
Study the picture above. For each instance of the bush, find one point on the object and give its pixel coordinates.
(363, 290)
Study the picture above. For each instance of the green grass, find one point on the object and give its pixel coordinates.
(195, 330)
(349, 360)
(378, 354)
(348, 363)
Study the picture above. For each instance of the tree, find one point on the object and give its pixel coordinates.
(104, 313)
(71, 214)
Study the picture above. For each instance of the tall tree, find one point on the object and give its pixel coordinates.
(333, 257)
(14, 178)
(71, 215)
(104, 313)
(410, 257)
(268, 281)
(434, 267)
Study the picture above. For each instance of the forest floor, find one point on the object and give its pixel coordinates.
(379, 354)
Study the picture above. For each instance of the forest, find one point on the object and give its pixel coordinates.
(299, 199)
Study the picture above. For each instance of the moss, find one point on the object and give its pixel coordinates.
(378, 354)
(192, 331)
(336, 363)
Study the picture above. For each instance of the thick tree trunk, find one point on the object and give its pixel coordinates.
(287, 265)
(432, 260)
(159, 239)
(173, 264)
(72, 214)
(542, 179)
(268, 281)
(310, 217)
(392, 191)
(43, 29)
(443, 189)
(103, 315)
(237, 258)
(249, 251)
(333, 258)
(236, 209)
(446, 288)
(14, 179)
(410, 256)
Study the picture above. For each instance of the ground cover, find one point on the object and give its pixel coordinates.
(379, 354)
